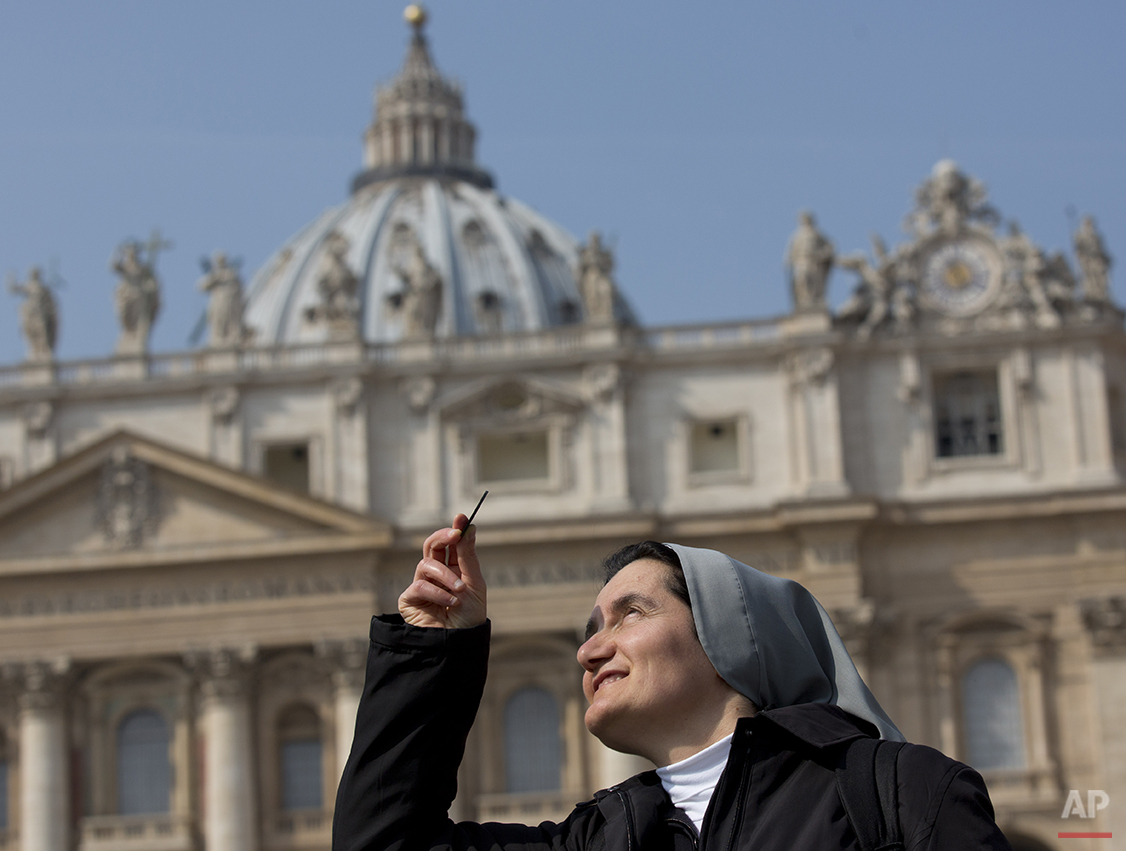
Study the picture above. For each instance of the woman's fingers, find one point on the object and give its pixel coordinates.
(448, 588)
(421, 593)
(433, 571)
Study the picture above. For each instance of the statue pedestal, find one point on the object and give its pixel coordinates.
(807, 322)
(38, 373)
(130, 368)
(221, 360)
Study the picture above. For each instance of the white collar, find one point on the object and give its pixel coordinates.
(691, 782)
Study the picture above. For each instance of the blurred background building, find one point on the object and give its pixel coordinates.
(192, 543)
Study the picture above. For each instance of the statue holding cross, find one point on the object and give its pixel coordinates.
(137, 295)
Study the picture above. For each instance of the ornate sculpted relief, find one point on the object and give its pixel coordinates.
(602, 381)
(346, 394)
(37, 417)
(128, 504)
(957, 273)
(947, 201)
(810, 367)
(419, 391)
(885, 292)
(223, 402)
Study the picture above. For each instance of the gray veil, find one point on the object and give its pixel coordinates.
(771, 640)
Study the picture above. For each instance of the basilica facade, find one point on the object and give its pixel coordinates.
(192, 543)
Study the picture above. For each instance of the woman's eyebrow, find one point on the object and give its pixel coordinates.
(621, 604)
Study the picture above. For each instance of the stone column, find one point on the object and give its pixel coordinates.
(44, 780)
(815, 421)
(348, 662)
(230, 787)
(614, 766)
(1106, 624)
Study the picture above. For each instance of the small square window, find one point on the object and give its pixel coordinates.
(967, 415)
(287, 464)
(714, 447)
(513, 457)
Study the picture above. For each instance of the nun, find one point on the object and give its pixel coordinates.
(732, 682)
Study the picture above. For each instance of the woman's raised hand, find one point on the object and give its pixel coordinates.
(447, 595)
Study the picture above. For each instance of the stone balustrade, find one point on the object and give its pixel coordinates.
(155, 832)
(544, 345)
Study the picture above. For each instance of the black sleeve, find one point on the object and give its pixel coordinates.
(950, 805)
(420, 697)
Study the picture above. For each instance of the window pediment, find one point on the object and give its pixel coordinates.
(510, 402)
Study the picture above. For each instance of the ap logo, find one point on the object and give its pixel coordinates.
(1097, 800)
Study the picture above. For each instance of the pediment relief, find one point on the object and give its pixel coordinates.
(509, 401)
(126, 496)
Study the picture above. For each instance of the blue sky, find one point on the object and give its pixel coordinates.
(689, 133)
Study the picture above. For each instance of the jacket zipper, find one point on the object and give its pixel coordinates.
(687, 828)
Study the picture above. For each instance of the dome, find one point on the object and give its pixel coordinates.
(425, 247)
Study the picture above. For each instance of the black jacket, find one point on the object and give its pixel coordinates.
(778, 790)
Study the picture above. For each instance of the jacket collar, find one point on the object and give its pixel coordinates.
(817, 724)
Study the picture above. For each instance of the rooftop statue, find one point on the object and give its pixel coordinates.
(947, 200)
(809, 258)
(137, 295)
(223, 285)
(39, 318)
(882, 292)
(421, 298)
(337, 286)
(1094, 262)
(1039, 281)
(596, 286)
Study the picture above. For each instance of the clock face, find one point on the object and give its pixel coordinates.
(960, 277)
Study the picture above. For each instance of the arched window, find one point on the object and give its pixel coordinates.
(301, 758)
(991, 709)
(144, 774)
(532, 750)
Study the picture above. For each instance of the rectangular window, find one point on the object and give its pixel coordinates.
(714, 446)
(301, 775)
(967, 415)
(513, 457)
(287, 464)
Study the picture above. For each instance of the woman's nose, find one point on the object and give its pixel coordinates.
(593, 650)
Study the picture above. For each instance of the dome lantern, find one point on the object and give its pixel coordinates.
(420, 128)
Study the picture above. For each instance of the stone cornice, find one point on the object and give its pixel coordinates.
(1003, 507)
(209, 554)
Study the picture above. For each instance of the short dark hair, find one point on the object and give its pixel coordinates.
(666, 555)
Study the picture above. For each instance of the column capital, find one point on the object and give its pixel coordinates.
(346, 659)
(224, 672)
(1105, 620)
(40, 682)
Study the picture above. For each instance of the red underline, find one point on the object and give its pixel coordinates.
(1084, 836)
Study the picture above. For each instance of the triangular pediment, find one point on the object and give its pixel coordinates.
(509, 398)
(129, 500)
